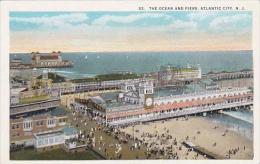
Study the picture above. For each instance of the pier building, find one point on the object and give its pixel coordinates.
(49, 60)
(130, 106)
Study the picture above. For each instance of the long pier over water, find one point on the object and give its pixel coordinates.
(183, 112)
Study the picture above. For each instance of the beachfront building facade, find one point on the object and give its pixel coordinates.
(22, 129)
(170, 75)
(49, 60)
(112, 109)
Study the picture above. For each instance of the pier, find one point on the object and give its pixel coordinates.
(181, 113)
(202, 151)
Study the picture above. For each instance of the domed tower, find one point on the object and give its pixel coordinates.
(146, 93)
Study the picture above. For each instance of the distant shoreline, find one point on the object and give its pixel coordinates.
(115, 52)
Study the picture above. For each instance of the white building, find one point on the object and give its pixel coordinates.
(136, 94)
(54, 138)
(15, 95)
(49, 138)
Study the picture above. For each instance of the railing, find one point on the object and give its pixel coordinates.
(131, 107)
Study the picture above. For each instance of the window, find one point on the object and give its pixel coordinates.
(51, 122)
(15, 126)
(40, 142)
(39, 123)
(15, 134)
(51, 140)
(62, 120)
(46, 141)
(27, 125)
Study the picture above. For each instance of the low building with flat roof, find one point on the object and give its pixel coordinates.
(47, 139)
(54, 138)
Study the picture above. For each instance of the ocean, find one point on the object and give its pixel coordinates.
(238, 121)
(89, 64)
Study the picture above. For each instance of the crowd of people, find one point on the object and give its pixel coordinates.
(95, 134)
(158, 144)
(234, 151)
(163, 145)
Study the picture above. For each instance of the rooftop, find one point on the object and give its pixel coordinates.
(48, 134)
(109, 100)
(109, 96)
(56, 78)
(192, 88)
(171, 91)
(16, 90)
(167, 91)
(179, 68)
(67, 130)
(58, 112)
(108, 77)
(34, 99)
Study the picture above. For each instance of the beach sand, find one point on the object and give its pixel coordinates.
(181, 128)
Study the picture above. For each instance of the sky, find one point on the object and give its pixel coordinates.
(130, 31)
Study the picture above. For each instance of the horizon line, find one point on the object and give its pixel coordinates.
(129, 51)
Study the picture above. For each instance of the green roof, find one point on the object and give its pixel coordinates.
(69, 130)
(183, 69)
(108, 77)
(34, 99)
(58, 112)
(54, 77)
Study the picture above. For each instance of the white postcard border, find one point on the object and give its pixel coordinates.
(125, 5)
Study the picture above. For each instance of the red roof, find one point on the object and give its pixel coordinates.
(173, 106)
(49, 57)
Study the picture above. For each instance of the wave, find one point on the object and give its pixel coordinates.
(66, 72)
(238, 116)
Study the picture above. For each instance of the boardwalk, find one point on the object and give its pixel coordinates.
(105, 142)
